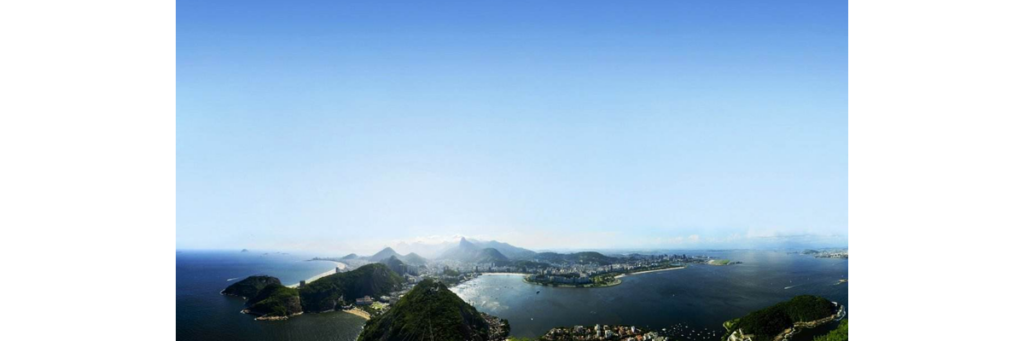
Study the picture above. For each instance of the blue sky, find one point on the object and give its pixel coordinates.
(344, 126)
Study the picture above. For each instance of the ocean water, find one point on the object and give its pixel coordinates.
(204, 314)
(690, 303)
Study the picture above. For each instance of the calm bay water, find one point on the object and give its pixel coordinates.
(699, 298)
(694, 301)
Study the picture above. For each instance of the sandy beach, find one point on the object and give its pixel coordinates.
(324, 274)
(358, 312)
(648, 271)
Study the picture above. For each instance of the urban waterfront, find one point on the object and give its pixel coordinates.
(699, 297)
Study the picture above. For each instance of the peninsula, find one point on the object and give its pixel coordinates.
(784, 319)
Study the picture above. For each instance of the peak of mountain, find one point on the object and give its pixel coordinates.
(470, 253)
(265, 296)
(413, 259)
(383, 254)
(432, 312)
(439, 248)
(250, 286)
(506, 249)
(396, 265)
(351, 256)
(490, 255)
(275, 300)
(464, 252)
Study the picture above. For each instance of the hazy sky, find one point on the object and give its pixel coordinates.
(344, 126)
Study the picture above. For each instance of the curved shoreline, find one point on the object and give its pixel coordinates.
(649, 271)
(617, 279)
(321, 275)
(358, 312)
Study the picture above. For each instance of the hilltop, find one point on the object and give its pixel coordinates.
(368, 280)
(275, 300)
(431, 312)
(249, 287)
(768, 323)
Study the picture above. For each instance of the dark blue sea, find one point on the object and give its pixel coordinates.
(204, 314)
(689, 304)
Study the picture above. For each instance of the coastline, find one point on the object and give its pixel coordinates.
(617, 279)
(358, 312)
(321, 275)
(649, 271)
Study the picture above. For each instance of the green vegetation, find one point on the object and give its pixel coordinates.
(413, 259)
(429, 312)
(575, 258)
(250, 286)
(719, 262)
(841, 333)
(376, 309)
(606, 280)
(396, 265)
(369, 280)
(275, 300)
(491, 255)
(766, 323)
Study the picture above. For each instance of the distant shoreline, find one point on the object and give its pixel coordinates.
(321, 275)
(649, 271)
(617, 279)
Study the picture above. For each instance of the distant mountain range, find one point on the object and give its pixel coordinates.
(435, 250)
(469, 252)
(479, 252)
(411, 259)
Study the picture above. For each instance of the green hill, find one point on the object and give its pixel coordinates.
(383, 254)
(429, 312)
(766, 323)
(275, 300)
(576, 258)
(396, 265)
(413, 259)
(368, 280)
(841, 333)
(490, 255)
(250, 286)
